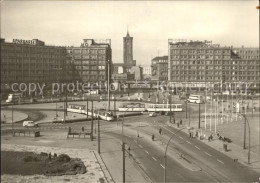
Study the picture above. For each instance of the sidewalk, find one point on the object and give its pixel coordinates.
(235, 151)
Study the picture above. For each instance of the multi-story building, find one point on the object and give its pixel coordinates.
(197, 61)
(137, 71)
(118, 68)
(128, 52)
(92, 60)
(31, 61)
(160, 68)
(147, 72)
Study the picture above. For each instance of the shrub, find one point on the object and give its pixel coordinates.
(30, 158)
(63, 158)
(44, 154)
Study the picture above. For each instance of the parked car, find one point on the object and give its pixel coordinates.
(153, 114)
(30, 124)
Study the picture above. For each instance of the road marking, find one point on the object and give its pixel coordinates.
(162, 165)
(220, 161)
(197, 147)
(180, 137)
(208, 154)
(154, 159)
(140, 146)
(135, 141)
(188, 142)
(147, 152)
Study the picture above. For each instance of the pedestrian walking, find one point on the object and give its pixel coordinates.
(82, 128)
(153, 137)
(160, 131)
(173, 120)
(129, 152)
(190, 134)
(178, 125)
(180, 122)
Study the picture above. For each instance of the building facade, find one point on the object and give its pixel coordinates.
(118, 68)
(92, 60)
(137, 71)
(31, 61)
(159, 68)
(147, 72)
(128, 51)
(197, 61)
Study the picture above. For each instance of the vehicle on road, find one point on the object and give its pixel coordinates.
(81, 109)
(164, 107)
(195, 99)
(135, 107)
(153, 114)
(30, 124)
(14, 98)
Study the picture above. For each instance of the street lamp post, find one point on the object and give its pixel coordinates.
(98, 134)
(123, 145)
(13, 116)
(199, 116)
(165, 153)
(246, 121)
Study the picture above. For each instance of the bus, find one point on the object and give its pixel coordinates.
(14, 98)
(164, 107)
(195, 99)
(132, 107)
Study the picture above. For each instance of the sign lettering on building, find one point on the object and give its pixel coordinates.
(21, 41)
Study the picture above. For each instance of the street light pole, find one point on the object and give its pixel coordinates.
(246, 121)
(98, 134)
(123, 145)
(108, 83)
(92, 120)
(170, 108)
(13, 116)
(199, 116)
(165, 153)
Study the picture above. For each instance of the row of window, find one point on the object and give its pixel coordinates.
(90, 67)
(201, 51)
(217, 72)
(210, 62)
(197, 78)
(87, 51)
(89, 62)
(12, 49)
(215, 67)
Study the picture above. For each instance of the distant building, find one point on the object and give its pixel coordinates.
(31, 61)
(159, 68)
(91, 60)
(137, 71)
(147, 72)
(197, 61)
(128, 52)
(118, 68)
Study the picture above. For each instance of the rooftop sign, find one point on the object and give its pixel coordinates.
(21, 41)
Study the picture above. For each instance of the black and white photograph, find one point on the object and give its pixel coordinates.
(130, 91)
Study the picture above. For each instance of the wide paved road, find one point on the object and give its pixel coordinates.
(152, 161)
(213, 163)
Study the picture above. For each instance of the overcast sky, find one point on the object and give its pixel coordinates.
(151, 23)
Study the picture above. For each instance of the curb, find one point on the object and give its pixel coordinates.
(104, 168)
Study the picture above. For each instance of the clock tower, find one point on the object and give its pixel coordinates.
(128, 50)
